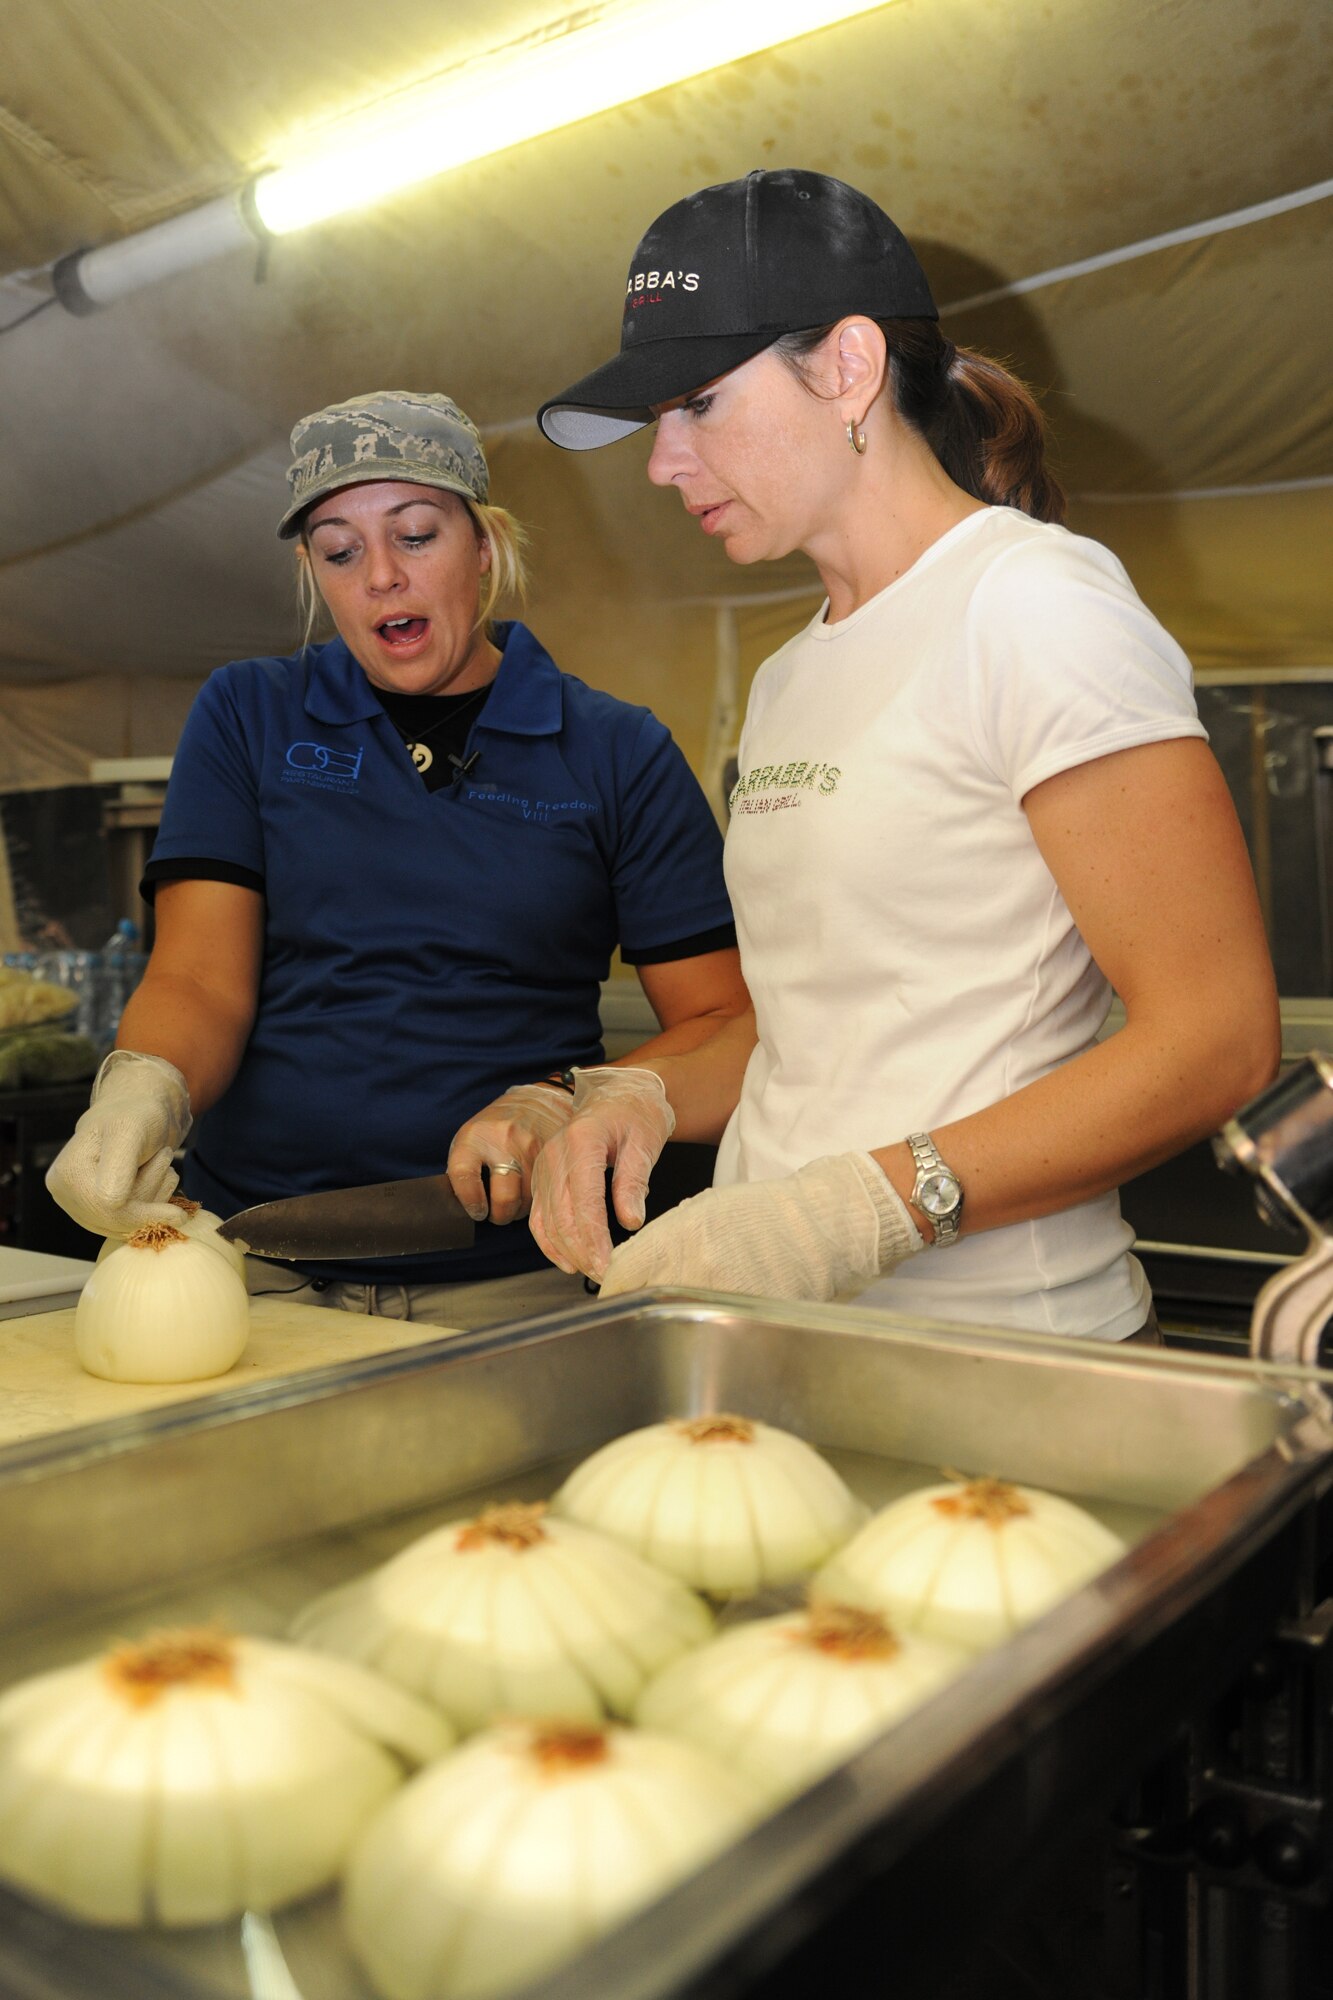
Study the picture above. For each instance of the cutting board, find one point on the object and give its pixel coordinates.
(44, 1390)
(33, 1281)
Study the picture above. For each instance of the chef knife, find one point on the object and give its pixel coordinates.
(388, 1219)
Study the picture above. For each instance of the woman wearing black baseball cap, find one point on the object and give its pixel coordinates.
(974, 800)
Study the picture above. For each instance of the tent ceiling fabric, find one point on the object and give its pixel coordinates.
(965, 116)
(143, 447)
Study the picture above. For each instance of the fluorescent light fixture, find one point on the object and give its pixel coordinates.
(624, 53)
(87, 279)
(608, 58)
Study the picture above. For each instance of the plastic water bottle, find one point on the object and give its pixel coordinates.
(122, 969)
(81, 973)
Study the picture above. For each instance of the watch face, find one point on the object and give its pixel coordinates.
(940, 1193)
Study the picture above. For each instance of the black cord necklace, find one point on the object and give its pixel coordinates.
(418, 749)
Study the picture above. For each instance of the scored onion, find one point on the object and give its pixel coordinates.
(515, 1853)
(196, 1775)
(726, 1503)
(200, 1225)
(512, 1613)
(970, 1562)
(783, 1699)
(162, 1307)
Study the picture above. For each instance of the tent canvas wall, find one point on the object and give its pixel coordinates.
(1131, 200)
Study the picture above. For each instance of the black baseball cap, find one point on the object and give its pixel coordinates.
(725, 273)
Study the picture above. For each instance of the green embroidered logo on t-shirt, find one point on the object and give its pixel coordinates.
(794, 777)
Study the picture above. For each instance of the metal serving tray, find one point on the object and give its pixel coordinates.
(258, 1498)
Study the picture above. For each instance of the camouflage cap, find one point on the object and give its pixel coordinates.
(394, 434)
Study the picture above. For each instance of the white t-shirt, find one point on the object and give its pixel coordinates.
(910, 956)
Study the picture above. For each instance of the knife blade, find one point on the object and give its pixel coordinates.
(387, 1219)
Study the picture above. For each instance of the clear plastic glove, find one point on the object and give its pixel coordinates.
(514, 1127)
(825, 1232)
(116, 1173)
(621, 1119)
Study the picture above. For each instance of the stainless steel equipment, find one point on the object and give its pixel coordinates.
(1284, 1138)
(1225, 1858)
(1214, 1468)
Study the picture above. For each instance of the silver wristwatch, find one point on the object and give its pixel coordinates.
(937, 1190)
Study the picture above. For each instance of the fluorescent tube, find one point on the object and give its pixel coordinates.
(514, 95)
(613, 57)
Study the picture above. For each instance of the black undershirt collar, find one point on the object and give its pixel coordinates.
(435, 728)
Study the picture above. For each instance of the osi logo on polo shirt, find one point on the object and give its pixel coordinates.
(317, 764)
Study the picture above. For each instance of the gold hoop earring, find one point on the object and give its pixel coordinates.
(857, 440)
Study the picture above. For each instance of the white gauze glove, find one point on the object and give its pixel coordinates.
(825, 1232)
(621, 1119)
(115, 1173)
(515, 1126)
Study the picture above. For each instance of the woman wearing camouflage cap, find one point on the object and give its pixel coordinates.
(974, 799)
(390, 875)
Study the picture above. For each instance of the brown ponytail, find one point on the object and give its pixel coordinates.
(982, 424)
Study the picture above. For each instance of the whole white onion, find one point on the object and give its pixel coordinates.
(783, 1699)
(198, 1223)
(162, 1307)
(726, 1503)
(196, 1775)
(513, 1613)
(522, 1848)
(972, 1561)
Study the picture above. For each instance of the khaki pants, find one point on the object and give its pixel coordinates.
(459, 1308)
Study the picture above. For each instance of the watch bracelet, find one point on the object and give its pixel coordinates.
(927, 1158)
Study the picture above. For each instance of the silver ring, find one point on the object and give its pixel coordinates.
(506, 1167)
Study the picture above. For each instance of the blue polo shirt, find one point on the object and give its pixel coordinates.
(423, 949)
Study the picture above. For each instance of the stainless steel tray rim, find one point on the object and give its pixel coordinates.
(67, 1450)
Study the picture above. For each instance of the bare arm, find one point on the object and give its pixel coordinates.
(1147, 852)
(702, 1004)
(703, 1084)
(692, 998)
(196, 1003)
